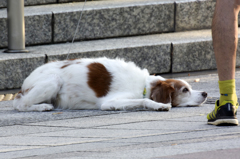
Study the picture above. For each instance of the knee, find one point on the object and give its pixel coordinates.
(237, 5)
(237, 2)
(228, 4)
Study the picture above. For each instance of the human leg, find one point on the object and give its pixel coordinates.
(225, 40)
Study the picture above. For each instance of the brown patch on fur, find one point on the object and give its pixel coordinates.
(27, 90)
(19, 95)
(72, 59)
(65, 66)
(161, 92)
(177, 86)
(69, 62)
(99, 79)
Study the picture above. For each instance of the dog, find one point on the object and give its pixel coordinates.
(102, 83)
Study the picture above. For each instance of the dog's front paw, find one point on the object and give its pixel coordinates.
(151, 105)
(162, 107)
(42, 107)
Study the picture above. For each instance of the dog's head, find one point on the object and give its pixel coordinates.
(176, 92)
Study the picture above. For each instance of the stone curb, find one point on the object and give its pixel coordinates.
(16, 67)
(56, 23)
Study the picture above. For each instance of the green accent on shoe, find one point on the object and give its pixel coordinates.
(224, 114)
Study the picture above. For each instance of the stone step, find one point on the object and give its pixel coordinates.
(159, 53)
(3, 3)
(55, 23)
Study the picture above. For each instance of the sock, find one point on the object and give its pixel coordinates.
(228, 91)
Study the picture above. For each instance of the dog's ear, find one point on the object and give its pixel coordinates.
(161, 92)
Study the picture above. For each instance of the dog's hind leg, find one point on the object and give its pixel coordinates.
(38, 97)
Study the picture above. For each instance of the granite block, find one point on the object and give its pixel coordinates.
(3, 3)
(38, 29)
(194, 14)
(2, 75)
(37, 2)
(154, 58)
(123, 20)
(16, 67)
(17, 70)
(195, 53)
(3, 32)
(194, 56)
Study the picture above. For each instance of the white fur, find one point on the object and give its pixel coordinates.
(68, 87)
(195, 96)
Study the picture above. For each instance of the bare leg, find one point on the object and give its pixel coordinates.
(225, 37)
(225, 41)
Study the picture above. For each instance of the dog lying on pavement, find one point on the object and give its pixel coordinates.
(102, 83)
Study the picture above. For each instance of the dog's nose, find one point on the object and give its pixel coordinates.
(204, 94)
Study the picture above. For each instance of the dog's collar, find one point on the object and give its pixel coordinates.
(144, 92)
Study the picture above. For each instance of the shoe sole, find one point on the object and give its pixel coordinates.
(224, 122)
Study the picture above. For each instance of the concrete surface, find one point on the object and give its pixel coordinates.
(180, 133)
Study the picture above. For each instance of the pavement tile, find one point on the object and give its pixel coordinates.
(100, 133)
(184, 136)
(5, 149)
(127, 117)
(154, 115)
(85, 122)
(27, 130)
(201, 118)
(162, 125)
(13, 117)
(155, 151)
(95, 148)
(24, 140)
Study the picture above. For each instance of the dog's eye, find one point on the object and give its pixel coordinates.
(185, 90)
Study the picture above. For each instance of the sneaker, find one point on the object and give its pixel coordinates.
(224, 115)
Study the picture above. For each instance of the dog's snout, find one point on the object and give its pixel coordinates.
(204, 94)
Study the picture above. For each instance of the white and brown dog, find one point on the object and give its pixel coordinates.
(104, 84)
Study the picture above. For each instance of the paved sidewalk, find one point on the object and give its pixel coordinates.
(180, 133)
